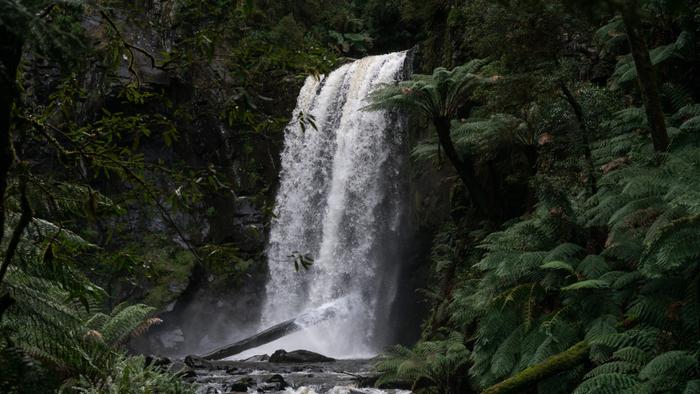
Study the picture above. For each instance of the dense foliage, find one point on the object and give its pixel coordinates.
(594, 286)
(568, 260)
(109, 110)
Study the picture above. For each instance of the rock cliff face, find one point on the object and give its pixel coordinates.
(198, 308)
(212, 310)
(197, 296)
(199, 299)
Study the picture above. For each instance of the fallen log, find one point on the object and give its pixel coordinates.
(273, 333)
(550, 366)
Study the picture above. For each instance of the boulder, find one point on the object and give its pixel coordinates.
(177, 367)
(238, 388)
(259, 358)
(242, 385)
(238, 371)
(298, 356)
(198, 363)
(278, 381)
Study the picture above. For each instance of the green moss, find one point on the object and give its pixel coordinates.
(165, 267)
(551, 366)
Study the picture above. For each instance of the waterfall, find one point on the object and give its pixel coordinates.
(339, 202)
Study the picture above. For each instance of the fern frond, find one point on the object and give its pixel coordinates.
(605, 383)
(124, 324)
(674, 363)
(633, 355)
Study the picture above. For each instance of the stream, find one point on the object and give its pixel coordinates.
(336, 377)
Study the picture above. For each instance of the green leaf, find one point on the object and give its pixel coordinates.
(675, 362)
(558, 265)
(587, 284)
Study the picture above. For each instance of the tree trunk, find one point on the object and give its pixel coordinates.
(646, 77)
(273, 333)
(10, 53)
(267, 336)
(6, 301)
(551, 366)
(578, 111)
(464, 170)
(24, 219)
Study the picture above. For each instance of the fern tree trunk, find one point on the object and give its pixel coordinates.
(646, 77)
(464, 170)
(10, 53)
(25, 218)
(551, 366)
(578, 111)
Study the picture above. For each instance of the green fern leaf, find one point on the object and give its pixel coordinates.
(587, 284)
(611, 383)
(558, 265)
(675, 363)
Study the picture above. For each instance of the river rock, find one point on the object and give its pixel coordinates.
(198, 363)
(242, 385)
(183, 371)
(258, 358)
(180, 368)
(298, 356)
(157, 362)
(238, 388)
(278, 381)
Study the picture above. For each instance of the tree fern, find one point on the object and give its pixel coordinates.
(678, 96)
(132, 376)
(121, 325)
(673, 363)
(625, 70)
(431, 366)
(632, 355)
(55, 318)
(672, 247)
(612, 383)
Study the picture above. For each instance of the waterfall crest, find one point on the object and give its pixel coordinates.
(340, 203)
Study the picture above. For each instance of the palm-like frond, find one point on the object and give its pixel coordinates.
(438, 95)
(430, 365)
(131, 375)
(55, 318)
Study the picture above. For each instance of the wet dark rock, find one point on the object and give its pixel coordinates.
(298, 356)
(258, 358)
(188, 375)
(278, 381)
(242, 385)
(178, 367)
(248, 381)
(238, 388)
(239, 371)
(158, 362)
(267, 387)
(266, 377)
(198, 363)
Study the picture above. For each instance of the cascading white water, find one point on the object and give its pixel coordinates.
(340, 203)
